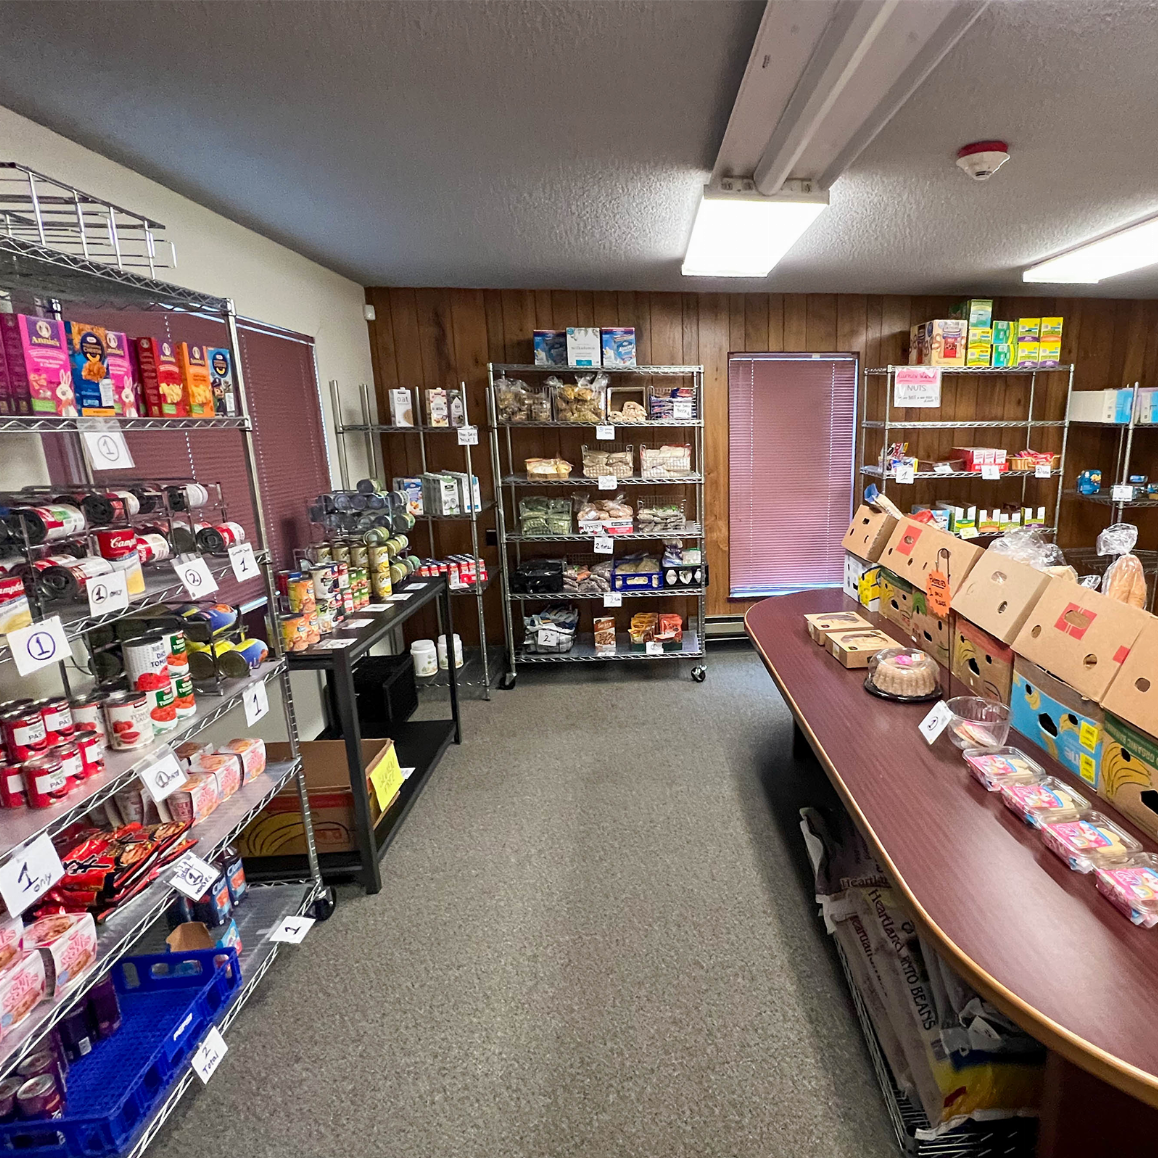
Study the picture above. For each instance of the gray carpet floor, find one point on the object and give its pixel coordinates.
(596, 937)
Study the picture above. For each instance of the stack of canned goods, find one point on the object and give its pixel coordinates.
(49, 747)
(461, 571)
(369, 507)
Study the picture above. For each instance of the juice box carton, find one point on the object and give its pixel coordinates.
(91, 382)
(1028, 329)
(1049, 352)
(39, 372)
(618, 345)
(221, 381)
(1028, 354)
(164, 387)
(194, 364)
(1003, 332)
(978, 354)
(125, 375)
(584, 346)
(1051, 329)
(974, 311)
(1003, 355)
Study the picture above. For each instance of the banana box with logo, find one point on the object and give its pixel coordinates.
(896, 600)
(1129, 774)
(1133, 696)
(981, 662)
(862, 581)
(868, 534)
(1055, 717)
(932, 634)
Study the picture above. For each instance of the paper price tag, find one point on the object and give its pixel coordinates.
(400, 598)
(654, 647)
(942, 468)
(604, 545)
(904, 472)
(682, 408)
(193, 572)
(468, 436)
(39, 645)
(107, 449)
(1042, 470)
(28, 874)
(209, 1054)
(407, 773)
(608, 482)
(192, 876)
(334, 644)
(613, 599)
(606, 433)
(292, 930)
(243, 562)
(107, 593)
(935, 722)
(1123, 493)
(968, 532)
(991, 472)
(256, 701)
(350, 624)
(164, 777)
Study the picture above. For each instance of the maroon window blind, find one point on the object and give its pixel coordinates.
(791, 443)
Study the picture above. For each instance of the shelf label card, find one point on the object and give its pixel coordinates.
(243, 561)
(547, 637)
(682, 408)
(333, 644)
(613, 599)
(608, 482)
(1042, 470)
(163, 777)
(942, 468)
(107, 593)
(376, 607)
(39, 645)
(917, 386)
(256, 701)
(400, 597)
(28, 874)
(468, 436)
(935, 722)
(968, 532)
(193, 876)
(209, 1054)
(407, 773)
(292, 930)
(904, 472)
(991, 471)
(604, 545)
(606, 433)
(1122, 493)
(193, 572)
(654, 647)
(107, 449)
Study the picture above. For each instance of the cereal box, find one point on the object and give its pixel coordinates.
(195, 376)
(39, 373)
(67, 945)
(221, 381)
(91, 383)
(165, 395)
(22, 988)
(124, 374)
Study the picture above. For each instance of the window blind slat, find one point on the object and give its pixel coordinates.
(791, 441)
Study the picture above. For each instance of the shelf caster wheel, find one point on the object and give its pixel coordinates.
(699, 673)
(323, 908)
(507, 682)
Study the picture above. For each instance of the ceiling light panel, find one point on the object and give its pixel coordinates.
(1133, 248)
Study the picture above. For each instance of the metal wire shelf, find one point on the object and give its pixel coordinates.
(522, 480)
(877, 472)
(1108, 500)
(678, 423)
(690, 531)
(53, 424)
(567, 596)
(988, 371)
(583, 649)
(972, 424)
(503, 367)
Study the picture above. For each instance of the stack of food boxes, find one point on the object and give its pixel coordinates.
(971, 337)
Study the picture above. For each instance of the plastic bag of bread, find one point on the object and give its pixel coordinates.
(1124, 579)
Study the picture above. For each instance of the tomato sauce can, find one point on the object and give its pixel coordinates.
(146, 662)
(87, 714)
(92, 751)
(70, 759)
(127, 720)
(12, 791)
(45, 781)
(132, 503)
(24, 733)
(57, 717)
(153, 547)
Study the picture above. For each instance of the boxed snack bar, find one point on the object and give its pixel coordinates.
(39, 372)
(161, 380)
(67, 945)
(1055, 717)
(22, 988)
(92, 385)
(550, 347)
(194, 364)
(998, 594)
(605, 635)
(1129, 773)
(869, 532)
(981, 662)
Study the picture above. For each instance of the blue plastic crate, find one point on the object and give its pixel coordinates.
(168, 1001)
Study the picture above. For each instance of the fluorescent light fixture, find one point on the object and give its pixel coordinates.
(1132, 248)
(744, 234)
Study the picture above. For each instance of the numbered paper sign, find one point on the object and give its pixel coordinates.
(1042, 470)
(194, 574)
(608, 482)
(942, 468)
(39, 645)
(163, 777)
(613, 599)
(256, 702)
(28, 874)
(904, 472)
(209, 1054)
(935, 722)
(107, 593)
(107, 449)
(193, 876)
(243, 561)
(547, 637)
(604, 545)
(468, 436)
(654, 647)
(292, 930)
(606, 433)
(991, 471)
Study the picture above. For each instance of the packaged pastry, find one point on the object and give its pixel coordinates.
(1132, 887)
(517, 402)
(544, 516)
(821, 624)
(902, 673)
(604, 516)
(585, 402)
(665, 461)
(68, 945)
(1046, 799)
(194, 800)
(661, 516)
(547, 467)
(11, 931)
(1088, 841)
(225, 767)
(605, 635)
(252, 752)
(22, 988)
(994, 767)
(617, 461)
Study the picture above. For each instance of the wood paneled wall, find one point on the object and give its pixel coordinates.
(440, 337)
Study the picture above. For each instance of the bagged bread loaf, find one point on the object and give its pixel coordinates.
(1124, 579)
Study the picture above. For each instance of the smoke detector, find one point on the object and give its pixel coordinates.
(982, 158)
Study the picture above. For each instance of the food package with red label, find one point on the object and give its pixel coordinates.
(68, 945)
(194, 800)
(11, 931)
(252, 751)
(22, 987)
(189, 750)
(227, 767)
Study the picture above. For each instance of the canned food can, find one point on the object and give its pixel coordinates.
(183, 698)
(127, 721)
(45, 781)
(86, 713)
(293, 632)
(325, 580)
(187, 497)
(153, 547)
(117, 544)
(12, 791)
(320, 552)
(201, 623)
(64, 576)
(162, 705)
(92, 751)
(132, 503)
(57, 717)
(177, 656)
(233, 533)
(313, 632)
(255, 651)
(325, 617)
(359, 555)
(146, 661)
(343, 576)
(382, 587)
(24, 733)
(340, 551)
(378, 558)
(70, 760)
(300, 594)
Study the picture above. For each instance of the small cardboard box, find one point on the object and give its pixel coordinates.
(938, 551)
(978, 353)
(999, 593)
(277, 830)
(1003, 355)
(1134, 693)
(868, 533)
(584, 346)
(1049, 352)
(1080, 636)
(194, 363)
(401, 407)
(1052, 715)
(855, 648)
(854, 568)
(983, 664)
(821, 623)
(1003, 332)
(1028, 354)
(1028, 329)
(165, 394)
(976, 311)
(896, 601)
(945, 340)
(932, 634)
(618, 345)
(1129, 775)
(900, 553)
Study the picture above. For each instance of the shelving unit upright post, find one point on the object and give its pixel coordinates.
(583, 651)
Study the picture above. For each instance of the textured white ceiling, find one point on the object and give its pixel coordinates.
(563, 143)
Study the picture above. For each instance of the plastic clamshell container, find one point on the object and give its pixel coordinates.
(168, 1001)
(1088, 841)
(976, 722)
(996, 766)
(1132, 887)
(1045, 799)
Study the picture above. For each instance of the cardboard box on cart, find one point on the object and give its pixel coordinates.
(1055, 717)
(998, 594)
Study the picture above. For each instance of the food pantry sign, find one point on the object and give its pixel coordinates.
(917, 386)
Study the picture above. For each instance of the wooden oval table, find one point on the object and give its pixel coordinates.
(1035, 938)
